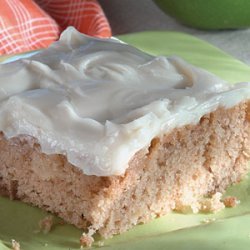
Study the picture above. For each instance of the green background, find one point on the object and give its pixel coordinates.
(230, 228)
(209, 14)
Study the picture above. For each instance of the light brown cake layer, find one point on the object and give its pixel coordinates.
(175, 172)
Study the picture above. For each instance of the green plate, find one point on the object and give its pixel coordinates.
(228, 229)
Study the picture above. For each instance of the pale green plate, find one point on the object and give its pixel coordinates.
(230, 228)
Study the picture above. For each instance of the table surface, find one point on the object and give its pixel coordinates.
(129, 16)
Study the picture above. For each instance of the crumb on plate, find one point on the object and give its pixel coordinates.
(15, 245)
(46, 224)
(231, 201)
(100, 243)
(86, 240)
(206, 221)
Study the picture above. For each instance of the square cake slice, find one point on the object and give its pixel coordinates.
(107, 136)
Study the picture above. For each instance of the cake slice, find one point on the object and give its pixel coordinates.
(107, 136)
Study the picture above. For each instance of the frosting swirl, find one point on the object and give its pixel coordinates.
(99, 101)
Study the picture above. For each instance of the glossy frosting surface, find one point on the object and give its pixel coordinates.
(98, 102)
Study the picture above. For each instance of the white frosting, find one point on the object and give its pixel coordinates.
(99, 101)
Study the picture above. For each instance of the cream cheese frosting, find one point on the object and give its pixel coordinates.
(99, 101)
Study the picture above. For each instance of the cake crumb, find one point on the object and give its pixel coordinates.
(231, 201)
(206, 221)
(100, 243)
(46, 224)
(15, 245)
(212, 204)
(86, 240)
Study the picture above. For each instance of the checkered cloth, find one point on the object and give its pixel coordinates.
(29, 25)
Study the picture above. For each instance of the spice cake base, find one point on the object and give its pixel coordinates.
(178, 171)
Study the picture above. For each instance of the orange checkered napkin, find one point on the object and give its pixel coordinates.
(27, 25)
